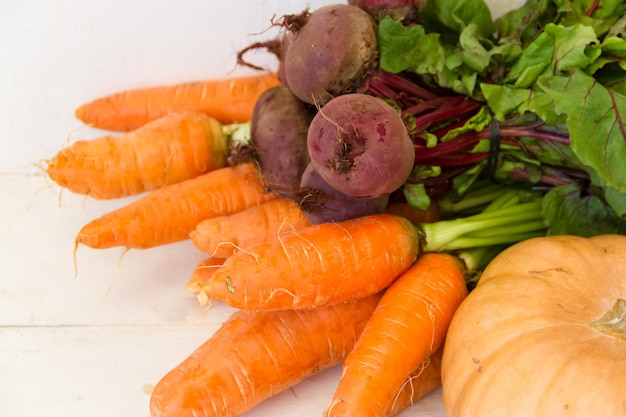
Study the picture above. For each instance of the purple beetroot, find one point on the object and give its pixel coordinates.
(360, 145)
(331, 52)
(321, 203)
(278, 135)
(400, 10)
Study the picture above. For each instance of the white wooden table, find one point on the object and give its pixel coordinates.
(93, 342)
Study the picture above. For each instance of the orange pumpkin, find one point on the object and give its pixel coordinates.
(543, 333)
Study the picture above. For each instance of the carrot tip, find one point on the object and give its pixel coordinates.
(80, 113)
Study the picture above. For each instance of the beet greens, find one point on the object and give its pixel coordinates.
(535, 98)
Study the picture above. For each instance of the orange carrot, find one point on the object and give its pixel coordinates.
(168, 214)
(255, 355)
(221, 236)
(229, 100)
(408, 325)
(165, 151)
(201, 274)
(317, 265)
(424, 380)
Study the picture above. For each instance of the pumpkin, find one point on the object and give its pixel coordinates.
(543, 333)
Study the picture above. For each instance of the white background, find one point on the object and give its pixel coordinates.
(93, 343)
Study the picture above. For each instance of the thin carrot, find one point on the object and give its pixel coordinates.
(317, 265)
(168, 214)
(221, 236)
(171, 149)
(229, 100)
(408, 325)
(256, 355)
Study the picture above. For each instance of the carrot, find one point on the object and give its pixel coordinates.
(425, 379)
(221, 236)
(168, 150)
(255, 355)
(317, 265)
(201, 274)
(408, 325)
(168, 214)
(229, 100)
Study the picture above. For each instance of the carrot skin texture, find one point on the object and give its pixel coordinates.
(229, 100)
(317, 265)
(168, 150)
(408, 325)
(255, 355)
(425, 379)
(221, 236)
(169, 214)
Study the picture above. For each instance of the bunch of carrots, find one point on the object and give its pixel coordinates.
(361, 292)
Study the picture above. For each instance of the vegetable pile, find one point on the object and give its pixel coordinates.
(349, 200)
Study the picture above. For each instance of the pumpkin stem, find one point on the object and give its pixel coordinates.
(613, 322)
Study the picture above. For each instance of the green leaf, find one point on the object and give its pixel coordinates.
(416, 195)
(613, 54)
(521, 23)
(576, 46)
(616, 200)
(567, 211)
(476, 123)
(533, 61)
(473, 53)
(618, 29)
(465, 180)
(410, 48)
(614, 46)
(397, 43)
(450, 17)
(558, 50)
(506, 101)
(604, 16)
(596, 120)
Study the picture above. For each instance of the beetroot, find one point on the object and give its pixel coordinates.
(278, 135)
(400, 10)
(360, 146)
(321, 203)
(285, 40)
(331, 53)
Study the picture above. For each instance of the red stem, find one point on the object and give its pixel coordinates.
(593, 8)
(445, 152)
(399, 83)
(452, 109)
